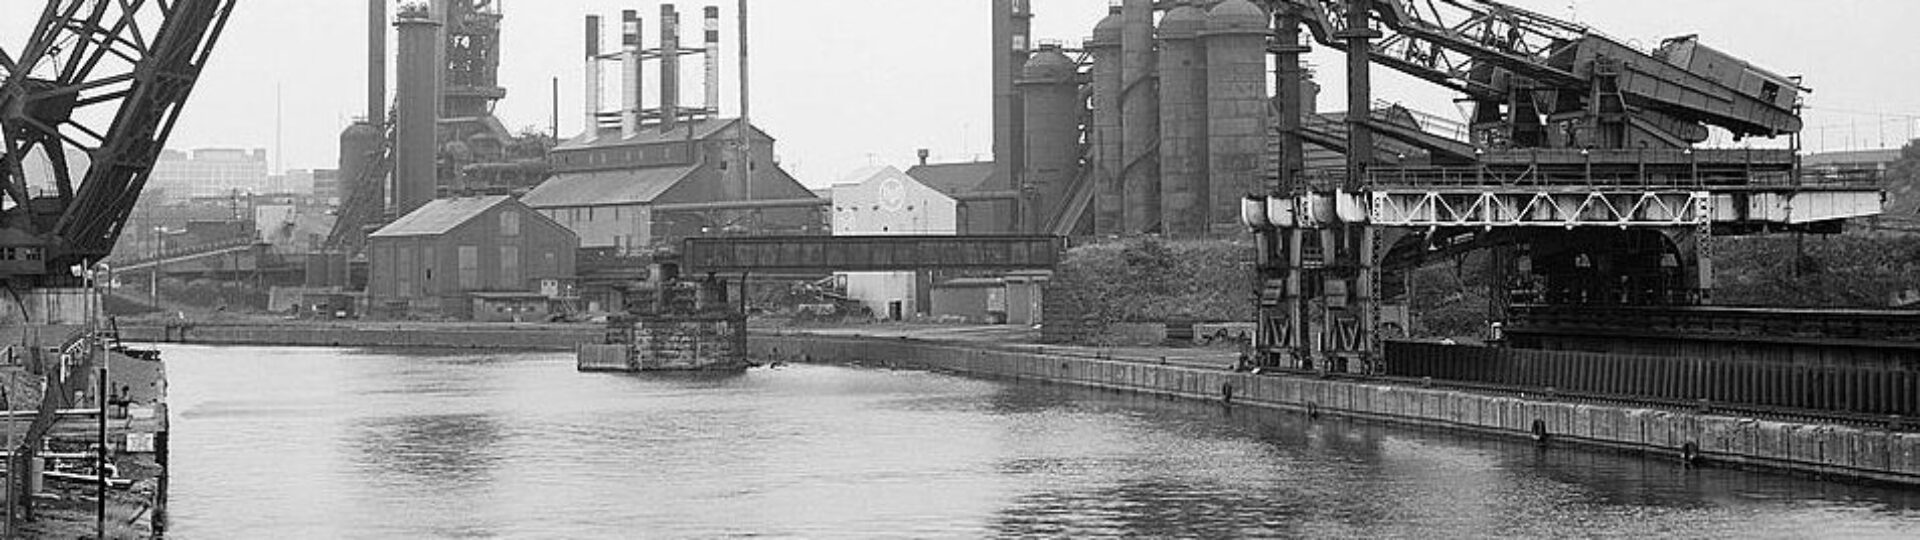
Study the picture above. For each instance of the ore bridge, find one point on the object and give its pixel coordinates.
(1582, 171)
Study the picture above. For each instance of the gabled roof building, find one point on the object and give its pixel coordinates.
(663, 184)
(436, 258)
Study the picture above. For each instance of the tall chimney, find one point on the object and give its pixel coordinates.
(377, 62)
(593, 102)
(669, 67)
(712, 54)
(630, 104)
(416, 178)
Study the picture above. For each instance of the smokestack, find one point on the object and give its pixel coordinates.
(416, 178)
(669, 67)
(592, 104)
(630, 106)
(712, 53)
(377, 62)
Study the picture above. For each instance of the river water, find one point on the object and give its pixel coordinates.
(325, 443)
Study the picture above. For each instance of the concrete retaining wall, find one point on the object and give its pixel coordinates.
(504, 337)
(1819, 449)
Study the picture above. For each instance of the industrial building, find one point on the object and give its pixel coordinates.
(644, 177)
(448, 255)
(1179, 127)
(885, 201)
(977, 188)
(628, 194)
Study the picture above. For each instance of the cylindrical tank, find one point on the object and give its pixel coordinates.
(358, 145)
(1183, 123)
(1140, 116)
(416, 178)
(1050, 87)
(1109, 199)
(1237, 106)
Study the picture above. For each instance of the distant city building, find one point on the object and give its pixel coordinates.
(210, 172)
(326, 185)
(293, 182)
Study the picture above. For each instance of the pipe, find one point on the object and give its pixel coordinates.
(1140, 117)
(1359, 91)
(592, 101)
(669, 67)
(746, 120)
(630, 104)
(712, 54)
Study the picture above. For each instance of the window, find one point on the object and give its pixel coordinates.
(469, 268)
(550, 265)
(509, 224)
(510, 267)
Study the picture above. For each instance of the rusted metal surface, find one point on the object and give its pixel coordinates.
(761, 254)
(1834, 327)
(1834, 389)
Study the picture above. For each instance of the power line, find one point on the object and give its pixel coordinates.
(1881, 114)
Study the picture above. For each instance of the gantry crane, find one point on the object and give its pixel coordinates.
(1537, 82)
(107, 78)
(1581, 168)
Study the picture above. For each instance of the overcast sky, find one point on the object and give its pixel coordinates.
(847, 83)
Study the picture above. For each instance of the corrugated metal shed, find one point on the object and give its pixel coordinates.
(439, 216)
(601, 188)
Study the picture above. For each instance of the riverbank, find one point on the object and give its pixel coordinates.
(1820, 449)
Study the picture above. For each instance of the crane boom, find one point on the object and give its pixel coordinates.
(1599, 92)
(104, 79)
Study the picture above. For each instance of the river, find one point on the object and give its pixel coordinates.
(329, 443)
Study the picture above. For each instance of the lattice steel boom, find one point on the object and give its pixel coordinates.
(103, 78)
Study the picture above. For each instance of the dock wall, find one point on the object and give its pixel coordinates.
(1829, 450)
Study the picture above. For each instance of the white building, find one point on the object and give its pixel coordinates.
(886, 201)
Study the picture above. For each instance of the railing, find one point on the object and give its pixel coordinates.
(176, 252)
(1891, 327)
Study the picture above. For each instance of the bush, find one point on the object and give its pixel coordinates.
(1149, 280)
(1833, 271)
